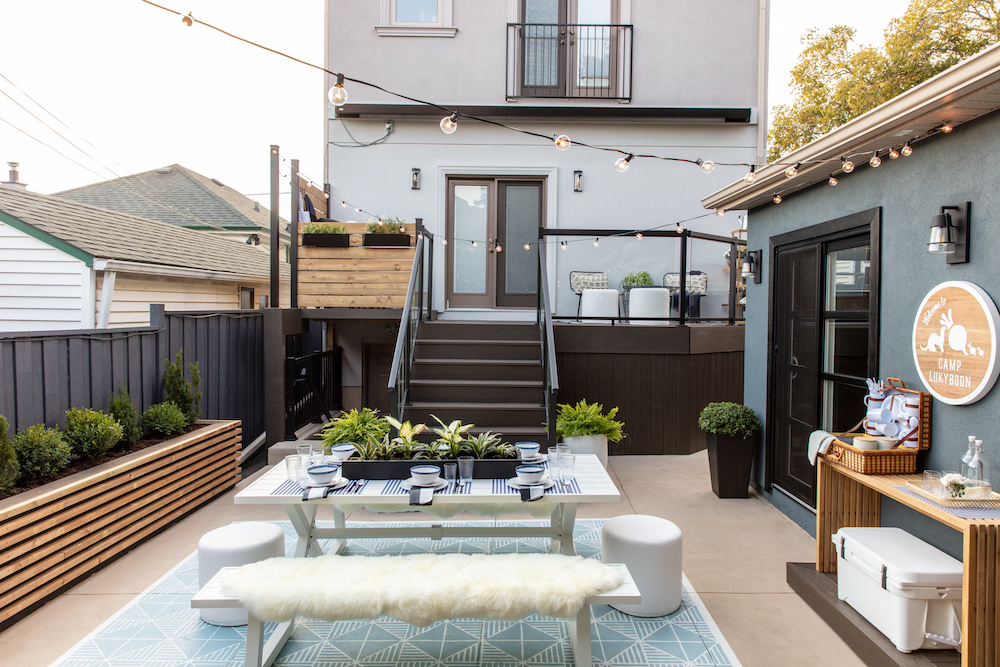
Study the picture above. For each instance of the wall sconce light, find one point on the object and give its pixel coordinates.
(415, 179)
(578, 181)
(751, 266)
(950, 233)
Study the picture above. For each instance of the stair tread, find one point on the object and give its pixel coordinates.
(475, 341)
(493, 362)
(421, 405)
(444, 382)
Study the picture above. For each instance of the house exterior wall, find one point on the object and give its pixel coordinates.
(944, 170)
(671, 68)
(42, 288)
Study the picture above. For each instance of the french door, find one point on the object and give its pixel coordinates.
(569, 48)
(490, 220)
(823, 337)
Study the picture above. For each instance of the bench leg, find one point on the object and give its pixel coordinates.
(579, 637)
(257, 653)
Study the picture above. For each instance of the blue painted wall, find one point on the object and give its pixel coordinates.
(943, 170)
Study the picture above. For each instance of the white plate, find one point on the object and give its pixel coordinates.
(411, 483)
(337, 484)
(537, 457)
(545, 483)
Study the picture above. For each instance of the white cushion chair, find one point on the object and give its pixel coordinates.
(648, 302)
(599, 303)
(581, 280)
(651, 548)
(231, 546)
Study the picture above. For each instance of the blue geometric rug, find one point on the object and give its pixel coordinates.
(159, 628)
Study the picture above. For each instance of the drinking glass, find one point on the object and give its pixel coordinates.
(932, 482)
(554, 462)
(292, 466)
(567, 467)
(318, 455)
(305, 460)
(465, 470)
(449, 472)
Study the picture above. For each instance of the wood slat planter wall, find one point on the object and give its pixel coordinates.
(53, 535)
(353, 277)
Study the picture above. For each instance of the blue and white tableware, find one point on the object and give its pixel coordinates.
(425, 475)
(527, 450)
(322, 474)
(529, 474)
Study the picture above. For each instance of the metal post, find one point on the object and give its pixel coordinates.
(682, 283)
(734, 267)
(293, 234)
(275, 231)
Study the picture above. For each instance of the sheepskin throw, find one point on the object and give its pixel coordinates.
(419, 589)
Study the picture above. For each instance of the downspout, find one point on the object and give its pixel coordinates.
(107, 292)
(763, 112)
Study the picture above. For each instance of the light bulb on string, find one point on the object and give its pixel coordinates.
(776, 199)
(638, 235)
(187, 20)
(474, 244)
(444, 241)
(597, 243)
(876, 161)
(680, 230)
(893, 154)
(357, 210)
(449, 123)
(707, 166)
(793, 171)
(720, 212)
(338, 94)
(832, 180)
(562, 142)
(622, 163)
(751, 175)
(420, 235)
(527, 246)
(947, 127)
(499, 248)
(563, 245)
(846, 166)
(343, 204)
(906, 150)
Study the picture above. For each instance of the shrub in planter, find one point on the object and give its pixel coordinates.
(9, 468)
(730, 429)
(40, 451)
(728, 419)
(164, 420)
(91, 433)
(126, 414)
(587, 429)
(357, 427)
(180, 392)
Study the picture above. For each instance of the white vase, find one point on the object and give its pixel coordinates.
(589, 444)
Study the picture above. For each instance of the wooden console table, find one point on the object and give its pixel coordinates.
(848, 498)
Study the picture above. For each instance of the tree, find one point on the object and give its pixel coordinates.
(835, 81)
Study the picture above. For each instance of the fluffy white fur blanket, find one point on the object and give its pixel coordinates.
(419, 589)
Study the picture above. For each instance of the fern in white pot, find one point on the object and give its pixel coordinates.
(587, 430)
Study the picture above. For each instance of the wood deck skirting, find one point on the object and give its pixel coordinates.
(354, 277)
(659, 377)
(52, 536)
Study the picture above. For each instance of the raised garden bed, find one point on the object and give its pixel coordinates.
(55, 534)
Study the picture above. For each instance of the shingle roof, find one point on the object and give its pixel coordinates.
(177, 195)
(107, 234)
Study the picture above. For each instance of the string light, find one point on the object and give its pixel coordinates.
(187, 20)
(499, 248)
(343, 204)
(846, 165)
(906, 150)
(474, 244)
(622, 163)
(444, 241)
(449, 123)
(527, 246)
(338, 94)
(680, 230)
(357, 209)
(420, 235)
(832, 180)
(776, 199)
(720, 212)
(947, 127)
(707, 166)
(562, 142)
(875, 161)
(597, 243)
(793, 171)
(563, 245)
(751, 175)
(893, 154)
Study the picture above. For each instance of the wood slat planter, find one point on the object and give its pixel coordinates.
(53, 535)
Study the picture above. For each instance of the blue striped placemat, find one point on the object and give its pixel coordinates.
(961, 512)
(290, 487)
(392, 487)
(500, 486)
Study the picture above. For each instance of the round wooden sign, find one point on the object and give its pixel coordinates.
(955, 342)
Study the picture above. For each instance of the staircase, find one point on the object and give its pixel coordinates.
(483, 373)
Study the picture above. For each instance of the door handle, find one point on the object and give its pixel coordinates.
(489, 245)
(572, 42)
(562, 41)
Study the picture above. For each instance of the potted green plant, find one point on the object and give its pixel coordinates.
(587, 430)
(637, 279)
(325, 235)
(729, 429)
(386, 231)
(358, 427)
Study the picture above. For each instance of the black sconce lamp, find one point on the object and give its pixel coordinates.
(950, 233)
(751, 266)
(578, 181)
(415, 179)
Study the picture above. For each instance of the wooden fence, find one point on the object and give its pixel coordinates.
(43, 374)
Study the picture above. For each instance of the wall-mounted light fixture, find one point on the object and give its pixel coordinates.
(415, 179)
(950, 233)
(751, 266)
(577, 181)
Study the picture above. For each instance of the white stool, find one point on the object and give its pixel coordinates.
(231, 546)
(651, 548)
(648, 302)
(599, 303)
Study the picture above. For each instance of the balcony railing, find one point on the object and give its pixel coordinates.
(569, 61)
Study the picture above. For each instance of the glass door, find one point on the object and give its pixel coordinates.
(543, 45)
(592, 47)
(518, 220)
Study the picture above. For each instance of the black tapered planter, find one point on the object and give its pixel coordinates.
(730, 459)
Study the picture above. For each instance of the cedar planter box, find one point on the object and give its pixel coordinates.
(481, 468)
(386, 240)
(326, 240)
(53, 535)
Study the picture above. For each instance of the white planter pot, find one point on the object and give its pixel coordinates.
(590, 444)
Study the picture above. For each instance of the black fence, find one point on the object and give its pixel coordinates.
(43, 374)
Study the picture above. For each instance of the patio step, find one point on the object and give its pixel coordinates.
(477, 369)
(488, 391)
(505, 414)
(459, 348)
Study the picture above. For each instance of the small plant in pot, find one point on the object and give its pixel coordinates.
(587, 430)
(638, 279)
(359, 427)
(729, 429)
(386, 231)
(325, 235)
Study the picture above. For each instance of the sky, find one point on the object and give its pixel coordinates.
(141, 91)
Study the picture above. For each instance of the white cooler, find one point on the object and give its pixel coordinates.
(909, 590)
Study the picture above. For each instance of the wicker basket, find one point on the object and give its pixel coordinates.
(877, 462)
(992, 502)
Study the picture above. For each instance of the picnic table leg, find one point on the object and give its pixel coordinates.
(566, 523)
(579, 637)
(303, 518)
(340, 544)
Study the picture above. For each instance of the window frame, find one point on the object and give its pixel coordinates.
(389, 27)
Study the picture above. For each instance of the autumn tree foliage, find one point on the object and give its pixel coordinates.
(835, 80)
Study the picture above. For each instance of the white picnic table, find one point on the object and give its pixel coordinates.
(488, 497)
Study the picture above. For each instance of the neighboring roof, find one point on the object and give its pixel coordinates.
(961, 93)
(90, 233)
(178, 196)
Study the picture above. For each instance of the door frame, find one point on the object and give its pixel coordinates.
(869, 221)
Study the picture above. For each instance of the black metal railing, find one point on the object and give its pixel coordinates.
(573, 61)
(312, 388)
(550, 372)
(417, 299)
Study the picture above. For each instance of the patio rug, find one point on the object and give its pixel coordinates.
(159, 628)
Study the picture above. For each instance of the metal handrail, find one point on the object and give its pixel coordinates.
(549, 369)
(399, 375)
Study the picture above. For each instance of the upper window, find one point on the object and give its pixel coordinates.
(416, 18)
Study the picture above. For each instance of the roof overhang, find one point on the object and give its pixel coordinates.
(611, 112)
(962, 93)
(162, 270)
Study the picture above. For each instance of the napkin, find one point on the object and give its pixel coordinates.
(421, 495)
(315, 492)
(532, 493)
(819, 443)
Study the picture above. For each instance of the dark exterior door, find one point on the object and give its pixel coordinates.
(518, 218)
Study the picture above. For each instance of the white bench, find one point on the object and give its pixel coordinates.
(260, 655)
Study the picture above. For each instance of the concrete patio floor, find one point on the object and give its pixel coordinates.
(734, 555)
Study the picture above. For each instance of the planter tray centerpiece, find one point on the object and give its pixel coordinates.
(386, 231)
(378, 457)
(325, 235)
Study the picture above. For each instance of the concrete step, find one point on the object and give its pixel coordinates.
(477, 391)
(459, 348)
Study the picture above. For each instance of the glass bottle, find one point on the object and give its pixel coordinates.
(977, 466)
(967, 459)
